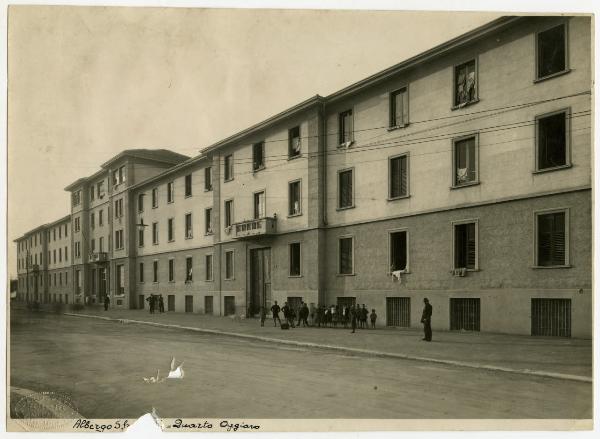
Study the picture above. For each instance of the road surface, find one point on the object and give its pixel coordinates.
(101, 365)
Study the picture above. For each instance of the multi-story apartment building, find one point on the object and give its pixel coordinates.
(31, 265)
(462, 174)
(58, 267)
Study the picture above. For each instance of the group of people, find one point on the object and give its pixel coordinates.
(154, 302)
(331, 316)
(326, 316)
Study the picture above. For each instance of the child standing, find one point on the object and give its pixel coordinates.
(373, 318)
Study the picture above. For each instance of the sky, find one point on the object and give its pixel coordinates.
(87, 82)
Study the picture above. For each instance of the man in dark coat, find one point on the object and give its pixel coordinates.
(161, 304)
(106, 302)
(426, 319)
(275, 310)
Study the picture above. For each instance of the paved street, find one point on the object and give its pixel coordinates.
(100, 366)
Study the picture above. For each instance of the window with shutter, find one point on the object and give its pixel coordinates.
(398, 176)
(465, 161)
(346, 256)
(551, 239)
(399, 108)
(345, 194)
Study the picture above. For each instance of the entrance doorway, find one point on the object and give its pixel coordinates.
(141, 301)
(260, 280)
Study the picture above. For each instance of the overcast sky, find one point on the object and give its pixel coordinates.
(86, 83)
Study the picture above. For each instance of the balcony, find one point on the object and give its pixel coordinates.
(98, 257)
(254, 228)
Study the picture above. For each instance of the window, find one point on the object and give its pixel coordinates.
(398, 251)
(170, 192)
(53, 236)
(92, 220)
(141, 237)
(100, 189)
(345, 192)
(119, 239)
(92, 193)
(171, 270)
(93, 247)
(228, 167)
(189, 233)
(259, 205)
(155, 271)
(77, 224)
(60, 278)
(551, 49)
(101, 244)
(294, 142)
(141, 272)
(154, 198)
(346, 128)
(188, 185)
(228, 213)
(229, 265)
(208, 221)
(100, 220)
(399, 108)
(141, 202)
(120, 280)
(258, 156)
(119, 176)
(552, 140)
(398, 176)
(465, 245)
(552, 239)
(154, 233)
(188, 269)
(78, 281)
(465, 84)
(346, 255)
(294, 198)
(170, 234)
(465, 161)
(54, 256)
(295, 259)
(208, 262)
(59, 234)
(119, 208)
(76, 198)
(208, 175)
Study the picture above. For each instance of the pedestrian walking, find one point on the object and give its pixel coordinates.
(353, 315)
(364, 314)
(106, 302)
(373, 318)
(263, 315)
(305, 313)
(161, 304)
(426, 319)
(275, 311)
(150, 301)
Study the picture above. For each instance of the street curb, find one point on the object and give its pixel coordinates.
(537, 373)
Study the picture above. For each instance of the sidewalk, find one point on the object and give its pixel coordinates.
(545, 356)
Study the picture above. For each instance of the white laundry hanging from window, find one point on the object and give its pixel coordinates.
(462, 175)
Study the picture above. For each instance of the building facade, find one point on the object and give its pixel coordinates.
(462, 175)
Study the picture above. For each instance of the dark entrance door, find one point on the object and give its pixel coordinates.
(260, 280)
(141, 301)
(189, 303)
(208, 304)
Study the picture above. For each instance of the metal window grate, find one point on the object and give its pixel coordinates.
(551, 317)
(398, 311)
(189, 303)
(465, 314)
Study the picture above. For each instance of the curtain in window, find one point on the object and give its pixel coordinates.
(465, 163)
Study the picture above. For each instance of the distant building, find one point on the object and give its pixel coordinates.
(462, 174)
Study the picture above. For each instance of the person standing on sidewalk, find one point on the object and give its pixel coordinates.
(275, 310)
(426, 319)
(373, 318)
(161, 304)
(263, 315)
(106, 302)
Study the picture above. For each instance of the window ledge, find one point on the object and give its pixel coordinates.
(389, 273)
(231, 278)
(229, 179)
(171, 281)
(466, 104)
(398, 127)
(555, 168)
(154, 207)
(467, 269)
(294, 215)
(553, 75)
(170, 202)
(260, 168)
(294, 157)
(345, 274)
(155, 243)
(460, 186)
(187, 196)
(171, 240)
(545, 267)
(189, 281)
(345, 145)
(210, 190)
(189, 237)
(295, 276)
(208, 233)
(401, 197)
(345, 208)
